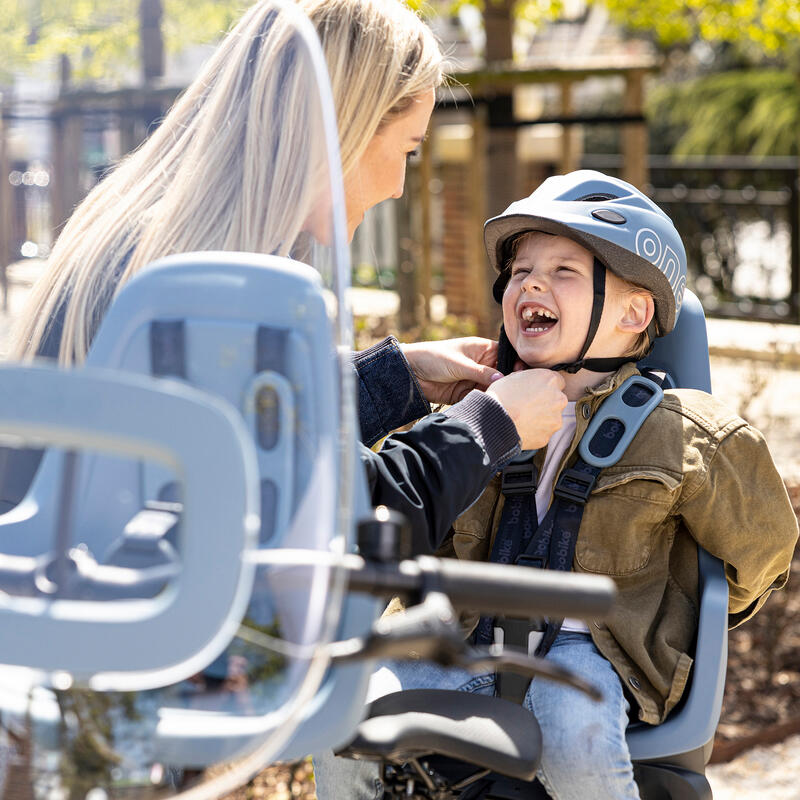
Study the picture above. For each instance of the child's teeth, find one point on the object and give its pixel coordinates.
(528, 313)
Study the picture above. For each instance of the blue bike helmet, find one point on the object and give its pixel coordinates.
(625, 230)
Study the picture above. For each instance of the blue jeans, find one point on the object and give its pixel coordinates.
(584, 752)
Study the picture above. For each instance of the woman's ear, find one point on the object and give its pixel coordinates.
(636, 312)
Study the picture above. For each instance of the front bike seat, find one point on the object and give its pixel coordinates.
(485, 731)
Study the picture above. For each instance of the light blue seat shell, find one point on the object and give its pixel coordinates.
(253, 331)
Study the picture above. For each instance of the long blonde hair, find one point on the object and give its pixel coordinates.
(228, 167)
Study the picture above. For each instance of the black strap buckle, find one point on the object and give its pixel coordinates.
(524, 560)
(575, 485)
(519, 475)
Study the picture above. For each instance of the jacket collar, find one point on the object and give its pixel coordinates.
(592, 398)
(610, 384)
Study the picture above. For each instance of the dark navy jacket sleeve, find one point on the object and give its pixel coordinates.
(436, 470)
(388, 393)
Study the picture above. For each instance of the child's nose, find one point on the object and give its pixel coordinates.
(534, 281)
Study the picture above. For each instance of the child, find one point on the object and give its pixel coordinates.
(590, 270)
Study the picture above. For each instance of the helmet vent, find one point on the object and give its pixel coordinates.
(597, 197)
(609, 215)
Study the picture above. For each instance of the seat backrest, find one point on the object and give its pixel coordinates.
(684, 355)
(253, 331)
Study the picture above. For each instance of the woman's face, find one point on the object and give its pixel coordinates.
(380, 173)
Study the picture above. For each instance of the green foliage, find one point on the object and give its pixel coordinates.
(535, 11)
(101, 37)
(769, 26)
(755, 112)
(199, 21)
(773, 26)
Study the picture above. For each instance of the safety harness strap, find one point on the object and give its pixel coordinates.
(516, 526)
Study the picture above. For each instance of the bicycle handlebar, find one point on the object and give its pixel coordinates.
(499, 589)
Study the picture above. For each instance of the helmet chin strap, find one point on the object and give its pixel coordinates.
(507, 356)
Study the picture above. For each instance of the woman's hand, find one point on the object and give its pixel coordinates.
(449, 369)
(534, 399)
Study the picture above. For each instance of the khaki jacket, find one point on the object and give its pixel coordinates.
(694, 474)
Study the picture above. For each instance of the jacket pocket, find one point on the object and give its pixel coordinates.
(626, 511)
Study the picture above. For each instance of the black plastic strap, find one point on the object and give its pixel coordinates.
(519, 475)
(598, 301)
(272, 350)
(168, 348)
(516, 633)
(576, 484)
(507, 356)
(517, 523)
(594, 365)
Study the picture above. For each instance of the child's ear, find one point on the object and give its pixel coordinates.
(637, 311)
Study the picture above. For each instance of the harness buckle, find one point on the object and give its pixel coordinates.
(524, 560)
(519, 475)
(575, 485)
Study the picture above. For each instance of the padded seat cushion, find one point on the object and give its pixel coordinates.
(485, 731)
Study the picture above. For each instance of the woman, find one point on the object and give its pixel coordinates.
(219, 174)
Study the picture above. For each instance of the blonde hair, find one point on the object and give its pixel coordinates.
(229, 166)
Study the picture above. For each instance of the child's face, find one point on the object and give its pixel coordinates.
(547, 303)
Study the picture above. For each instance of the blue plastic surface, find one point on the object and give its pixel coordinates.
(684, 352)
(222, 304)
(614, 409)
(223, 298)
(147, 419)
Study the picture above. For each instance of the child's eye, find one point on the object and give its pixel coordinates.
(412, 154)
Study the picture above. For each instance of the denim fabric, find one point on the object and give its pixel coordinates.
(584, 749)
(388, 393)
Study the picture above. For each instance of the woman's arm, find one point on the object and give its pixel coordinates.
(397, 381)
(434, 471)
(388, 393)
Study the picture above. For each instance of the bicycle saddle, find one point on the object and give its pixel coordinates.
(485, 731)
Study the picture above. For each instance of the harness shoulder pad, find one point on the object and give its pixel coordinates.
(618, 420)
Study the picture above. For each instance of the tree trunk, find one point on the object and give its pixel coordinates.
(500, 141)
(151, 40)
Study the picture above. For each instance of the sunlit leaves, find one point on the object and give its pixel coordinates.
(771, 25)
(101, 37)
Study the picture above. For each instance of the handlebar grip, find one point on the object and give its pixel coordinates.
(518, 591)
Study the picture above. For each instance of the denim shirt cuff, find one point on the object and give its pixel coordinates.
(492, 427)
(388, 393)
